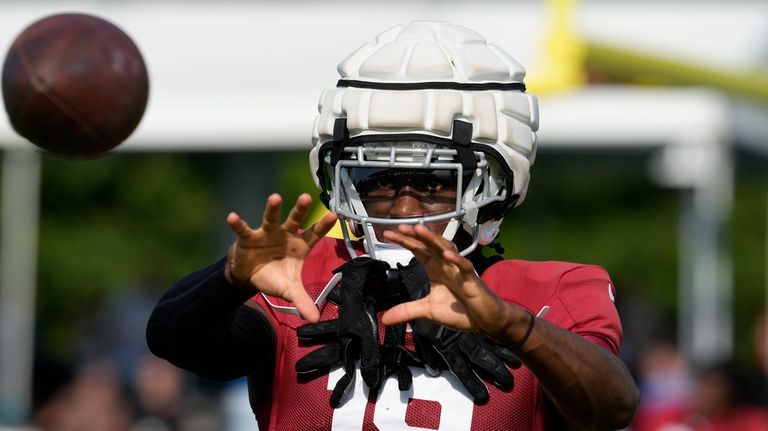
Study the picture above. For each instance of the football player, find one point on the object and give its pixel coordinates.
(419, 152)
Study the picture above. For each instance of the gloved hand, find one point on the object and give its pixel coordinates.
(465, 354)
(354, 335)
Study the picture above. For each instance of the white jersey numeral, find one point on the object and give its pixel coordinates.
(456, 405)
(351, 414)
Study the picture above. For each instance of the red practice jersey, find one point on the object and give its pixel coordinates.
(580, 299)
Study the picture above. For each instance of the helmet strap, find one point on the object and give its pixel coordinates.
(340, 138)
(462, 138)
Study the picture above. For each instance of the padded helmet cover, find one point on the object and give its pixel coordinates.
(418, 79)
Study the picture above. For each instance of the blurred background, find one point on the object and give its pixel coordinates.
(652, 163)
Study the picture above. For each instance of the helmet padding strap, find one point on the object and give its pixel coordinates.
(340, 138)
(462, 138)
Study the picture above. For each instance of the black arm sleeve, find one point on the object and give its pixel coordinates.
(203, 325)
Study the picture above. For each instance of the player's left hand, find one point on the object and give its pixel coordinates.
(458, 298)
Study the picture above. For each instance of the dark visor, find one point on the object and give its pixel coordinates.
(386, 181)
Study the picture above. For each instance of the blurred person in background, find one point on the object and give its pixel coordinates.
(719, 397)
(725, 400)
(667, 386)
(761, 352)
(420, 151)
(164, 403)
(159, 391)
(95, 400)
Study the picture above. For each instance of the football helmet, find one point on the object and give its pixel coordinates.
(430, 106)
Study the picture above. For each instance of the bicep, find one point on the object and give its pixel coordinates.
(588, 295)
(207, 326)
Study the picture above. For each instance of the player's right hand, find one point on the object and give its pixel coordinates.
(269, 259)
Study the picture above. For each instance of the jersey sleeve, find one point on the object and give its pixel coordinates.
(203, 325)
(588, 295)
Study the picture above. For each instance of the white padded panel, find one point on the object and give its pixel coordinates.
(533, 104)
(328, 115)
(417, 32)
(397, 109)
(335, 97)
(428, 62)
(321, 100)
(386, 62)
(315, 132)
(479, 63)
(516, 105)
(532, 154)
(447, 104)
(516, 70)
(484, 114)
(390, 34)
(349, 66)
(457, 34)
(518, 135)
(353, 109)
(314, 163)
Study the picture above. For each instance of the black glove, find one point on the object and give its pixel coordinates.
(395, 358)
(465, 354)
(354, 334)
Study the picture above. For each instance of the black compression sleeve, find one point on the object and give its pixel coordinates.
(203, 325)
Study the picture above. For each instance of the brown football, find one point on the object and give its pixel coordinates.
(75, 85)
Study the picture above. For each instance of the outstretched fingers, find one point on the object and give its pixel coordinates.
(425, 245)
(238, 225)
(405, 238)
(298, 214)
(319, 229)
(444, 248)
(272, 212)
(433, 241)
(303, 303)
(406, 311)
(465, 265)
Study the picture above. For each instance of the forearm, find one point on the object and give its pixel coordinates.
(589, 385)
(203, 325)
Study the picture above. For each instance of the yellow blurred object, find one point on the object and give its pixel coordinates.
(562, 67)
(643, 67)
(317, 213)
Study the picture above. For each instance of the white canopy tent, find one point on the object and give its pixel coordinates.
(233, 76)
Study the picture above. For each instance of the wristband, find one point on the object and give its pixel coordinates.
(518, 344)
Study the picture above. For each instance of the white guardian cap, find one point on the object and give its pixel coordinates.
(426, 98)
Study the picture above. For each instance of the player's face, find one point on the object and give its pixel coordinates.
(404, 193)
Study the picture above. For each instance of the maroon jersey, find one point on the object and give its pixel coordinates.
(580, 299)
